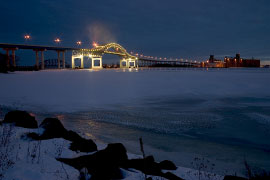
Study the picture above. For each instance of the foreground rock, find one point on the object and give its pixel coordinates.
(104, 164)
(21, 119)
(167, 165)
(53, 128)
(80, 144)
(150, 167)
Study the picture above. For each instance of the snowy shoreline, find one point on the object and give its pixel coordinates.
(181, 93)
(23, 158)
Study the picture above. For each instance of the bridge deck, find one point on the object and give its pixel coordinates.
(37, 47)
(167, 61)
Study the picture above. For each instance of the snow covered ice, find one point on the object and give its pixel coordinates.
(220, 114)
(66, 90)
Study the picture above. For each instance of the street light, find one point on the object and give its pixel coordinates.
(27, 37)
(79, 43)
(57, 40)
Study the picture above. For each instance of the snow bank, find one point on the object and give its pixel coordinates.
(30, 160)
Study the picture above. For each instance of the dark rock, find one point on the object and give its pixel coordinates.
(150, 167)
(167, 165)
(79, 143)
(234, 178)
(21, 119)
(146, 165)
(171, 176)
(72, 136)
(116, 152)
(53, 128)
(104, 164)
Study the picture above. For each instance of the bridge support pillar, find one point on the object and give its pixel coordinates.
(7, 60)
(96, 62)
(123, 63)
(82, 62)
(132, 63)
(58, 59)
(42, 60)
(13, 58)
(73, 61)
(63, 59)
(128, 63)
(37, 60)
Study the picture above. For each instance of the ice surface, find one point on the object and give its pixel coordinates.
(220, 114)
(69, 90)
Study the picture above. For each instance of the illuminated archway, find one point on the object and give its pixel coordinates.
(97, 52)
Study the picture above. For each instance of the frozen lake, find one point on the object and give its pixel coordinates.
(220, 114)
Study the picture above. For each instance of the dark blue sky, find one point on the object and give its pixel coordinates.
(173, 28)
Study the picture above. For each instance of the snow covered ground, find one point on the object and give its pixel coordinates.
(30, 160)
(220, 114)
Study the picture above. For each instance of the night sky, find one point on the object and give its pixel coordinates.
(191, 29)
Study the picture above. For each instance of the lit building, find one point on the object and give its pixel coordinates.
(237, 61)
(212, 62)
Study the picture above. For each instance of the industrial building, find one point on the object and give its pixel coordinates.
(236, 61)
(212, 62)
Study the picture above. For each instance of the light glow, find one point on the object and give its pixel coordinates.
(57, 40)
(95, 44)
(27, 37)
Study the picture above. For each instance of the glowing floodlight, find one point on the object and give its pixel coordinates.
(95, 44)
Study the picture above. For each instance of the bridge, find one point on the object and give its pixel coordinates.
(126, 60)
(95, 54)
(39, 50)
